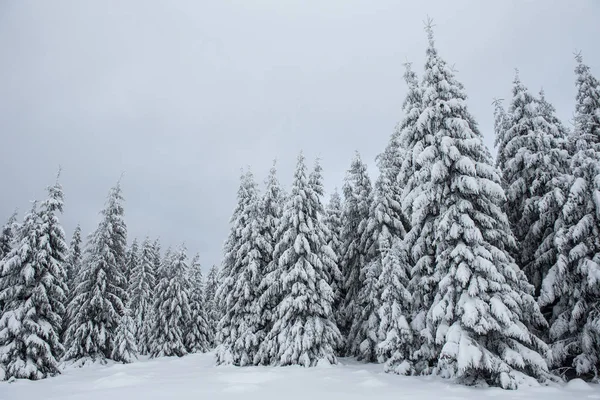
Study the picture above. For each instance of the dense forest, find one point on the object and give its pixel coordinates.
(451, 263)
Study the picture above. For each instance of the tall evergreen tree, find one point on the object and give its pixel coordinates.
(357, 195)
(501, 125)
(172, 311)
(32, 288)
(197, 333)
(53, 249)
(101, 294)
(395, 333)
(157, 260)
(125, 349)
(478, 302)
(323, 235)
(304, 332)
(7, 234)
(395, 300)
(535, 156)
(6, 241)
(141, 293)
(212, 308)
(241, 328)
(133, 259)
(386, 222)
(572, 286)
(272, 207)
(333, 220)
(74, 258)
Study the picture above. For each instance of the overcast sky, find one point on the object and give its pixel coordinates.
(181, 94)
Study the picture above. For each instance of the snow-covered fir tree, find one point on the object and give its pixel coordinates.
(407, 128)
(476, 305)
(125, 348)
(394, 331)
(395, 308)
(141, 294)
(534, 156)
(248, 251)
(197, 333)
(385, 223)
(32, 288)
(323, 236)
(7, 234)
(305, 332)
(357, 191)
(157, 259)
(501, 125)
(100, 296)
(213, 313)
(165, 263)
(272, 207)
(333, 220)
(172, 311)
(74, 258)
(572, 286)
(133, 259)
(548, 112)
(53, 251)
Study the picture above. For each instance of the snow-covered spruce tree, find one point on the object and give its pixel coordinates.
(32, 289)
(74, 258)
(501, 125)
(395, 301)
(272, 207)
(7, 234)
(357, 191)
(248, 252)
(572, 286)
(157, 260)
(548, 112)
(101, 294)
(394, 310)
(333, 220)
(534, 156)
(6, 241)
(141, 294)
(304, 332)
(385, 223)
(197, 331)
(164, 264)
(210, 300)
(125, 349)
(53, 251)
(133, 259)
(407, 129)
(476, 327)
(329, 258)
(172, 311)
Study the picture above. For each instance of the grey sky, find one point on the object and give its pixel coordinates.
(181, 94)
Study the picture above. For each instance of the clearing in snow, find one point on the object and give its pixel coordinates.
(196, 377)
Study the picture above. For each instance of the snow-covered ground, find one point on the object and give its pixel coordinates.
(196, 377)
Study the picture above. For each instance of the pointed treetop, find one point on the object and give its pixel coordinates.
(429, 29)
(410, 77)
(578, 56)
(58, 173)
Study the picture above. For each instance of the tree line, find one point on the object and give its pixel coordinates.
(451, 263)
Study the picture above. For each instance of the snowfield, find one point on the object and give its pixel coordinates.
(196, 377)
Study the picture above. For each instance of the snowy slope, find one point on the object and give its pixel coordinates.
(196, 377)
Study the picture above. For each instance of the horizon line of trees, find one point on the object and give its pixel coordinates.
(451, 263)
